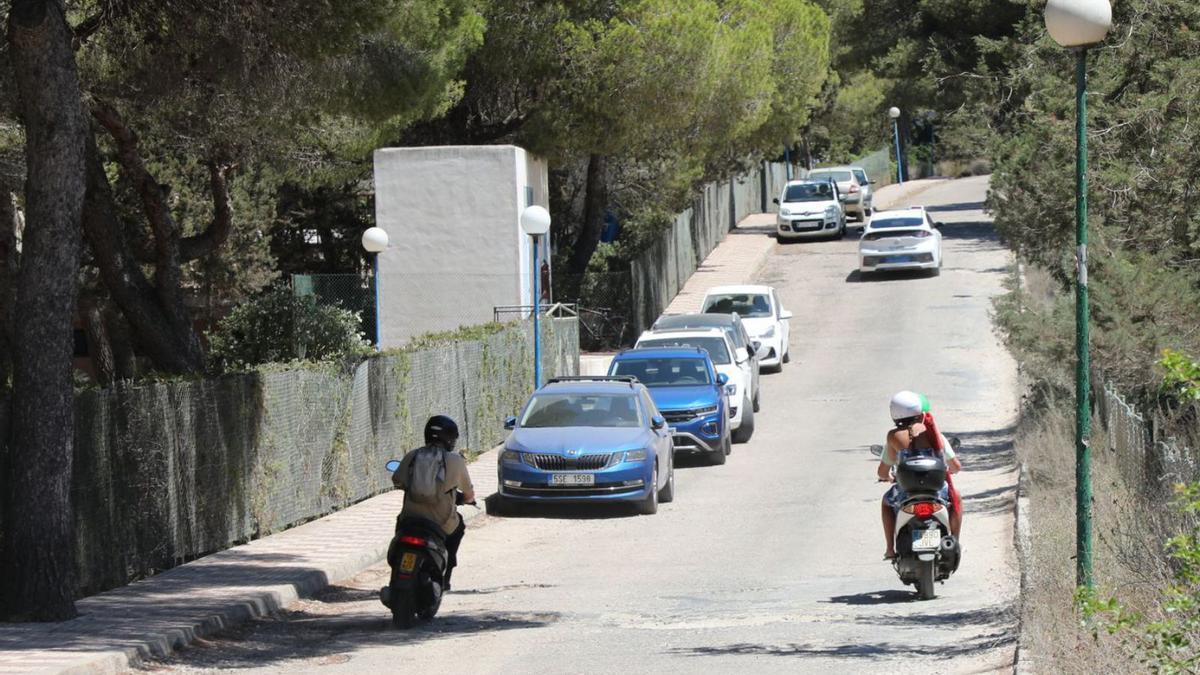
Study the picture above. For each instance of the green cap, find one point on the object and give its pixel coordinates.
(924, 403)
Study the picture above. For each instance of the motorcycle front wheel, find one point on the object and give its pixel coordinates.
(925, 578)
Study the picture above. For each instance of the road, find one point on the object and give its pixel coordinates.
(769, 563)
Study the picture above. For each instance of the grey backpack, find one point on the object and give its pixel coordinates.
(426, 474)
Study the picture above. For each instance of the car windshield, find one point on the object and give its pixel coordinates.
(687, 372)
(902, 221)
(581, 410)
(808, 192)
(861, 176)
(715, 346)
(745, 304)
(839, 176)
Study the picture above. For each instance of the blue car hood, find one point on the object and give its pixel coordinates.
(584, 439)
(678, 398)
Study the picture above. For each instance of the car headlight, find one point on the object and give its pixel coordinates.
(635, 456)
(831, 210)
(731, 389)
(511, 457)
(769, 333)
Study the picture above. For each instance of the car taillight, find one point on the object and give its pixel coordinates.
(923, 509)
(922, 233)
(413, 541)
(854, 188)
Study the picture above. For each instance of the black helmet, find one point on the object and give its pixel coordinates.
(442, 429)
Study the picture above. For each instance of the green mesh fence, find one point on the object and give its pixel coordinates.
(167, 472)
(879, 167)
(348, 291)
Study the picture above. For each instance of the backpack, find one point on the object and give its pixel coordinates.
(426, 473)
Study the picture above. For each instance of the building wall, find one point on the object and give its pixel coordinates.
(452, 215)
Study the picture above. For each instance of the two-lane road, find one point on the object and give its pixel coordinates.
(769, 563)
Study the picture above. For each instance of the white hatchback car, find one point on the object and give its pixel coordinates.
(905, 239)
(810, 208)
(720, 349)
(762, 314)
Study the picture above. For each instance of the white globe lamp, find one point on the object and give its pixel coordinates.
(535, 221)
(375, 240)
(1078, 23)
(894, 112)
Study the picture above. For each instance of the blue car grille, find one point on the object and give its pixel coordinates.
(687, 415)
(560, 463)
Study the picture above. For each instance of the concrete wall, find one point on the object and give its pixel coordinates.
(457, 250)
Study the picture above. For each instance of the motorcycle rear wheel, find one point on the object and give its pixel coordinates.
(925, 577)
(404, 614)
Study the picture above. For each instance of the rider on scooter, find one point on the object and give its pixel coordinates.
(915, 430)
(441, 433)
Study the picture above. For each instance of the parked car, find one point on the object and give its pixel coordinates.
(744, 346)
(904, 239)
(720, 349)
(809, 208)
(581, 439)
(868, 191)
(689, 393)
(763, 315)
(852, 195)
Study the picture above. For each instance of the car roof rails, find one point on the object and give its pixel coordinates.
(627, 379)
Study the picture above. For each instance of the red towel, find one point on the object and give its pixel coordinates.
(936, 442)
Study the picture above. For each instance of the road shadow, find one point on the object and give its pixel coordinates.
(987, 450)
(890, 596)
(857, 277)
(996, 616)
(689, 462)
(878, 650)
(960, 206)
(550, 511)
(978, 230)
(989, 502)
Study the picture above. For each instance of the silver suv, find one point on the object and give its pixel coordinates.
(854, 185)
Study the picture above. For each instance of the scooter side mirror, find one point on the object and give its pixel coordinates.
(877, 450)
(392, 465)
(955, 443)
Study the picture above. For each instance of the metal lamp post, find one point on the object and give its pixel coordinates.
(1077, 25)
(894, 113)
(535, 222)
(375, 241)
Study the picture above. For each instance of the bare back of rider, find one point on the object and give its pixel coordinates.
(914, 437)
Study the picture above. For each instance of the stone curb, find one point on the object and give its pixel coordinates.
(1023, 662)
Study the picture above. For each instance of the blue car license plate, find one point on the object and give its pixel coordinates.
(572, 479)
(900, 258)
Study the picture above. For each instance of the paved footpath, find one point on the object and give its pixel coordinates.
(151, 618)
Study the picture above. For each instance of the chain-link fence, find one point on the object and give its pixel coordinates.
(1152, 451)
(604, 304)
(879, 167)
(349, 291)
(167, 472)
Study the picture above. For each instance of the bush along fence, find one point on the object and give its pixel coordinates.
(168, 472)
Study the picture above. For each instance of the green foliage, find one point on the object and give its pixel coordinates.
(1166, 638)
(280, 326)
(1181, 375)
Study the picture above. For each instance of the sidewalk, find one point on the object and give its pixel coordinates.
(155, 616)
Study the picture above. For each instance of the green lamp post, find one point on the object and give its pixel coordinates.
(1078, 25)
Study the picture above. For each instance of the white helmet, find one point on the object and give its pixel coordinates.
(906, 405)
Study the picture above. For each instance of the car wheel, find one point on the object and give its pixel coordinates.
(757, 395)
(787, 358)
(667, 494)
(649, 505)
(718, 457)
(744, 432)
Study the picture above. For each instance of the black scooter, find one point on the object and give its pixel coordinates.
(926, 552)
(418, 558)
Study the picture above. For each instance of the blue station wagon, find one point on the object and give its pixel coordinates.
(583, 439)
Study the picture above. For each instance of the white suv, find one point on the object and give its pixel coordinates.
(720, 349)
(762, 314)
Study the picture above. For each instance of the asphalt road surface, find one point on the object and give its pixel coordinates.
(769, 563)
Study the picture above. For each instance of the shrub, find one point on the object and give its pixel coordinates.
(279, 326)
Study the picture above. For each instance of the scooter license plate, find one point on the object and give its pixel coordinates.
(927, 540)
(408, 562)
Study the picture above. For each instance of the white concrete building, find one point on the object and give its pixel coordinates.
(456, 248)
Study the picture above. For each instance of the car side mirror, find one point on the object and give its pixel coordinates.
(392, 465)
(871, 182)
(776, 200)
(658, 422)
(510, 423)
(955, 443)
(785, 315)
(938, 226)
(877, 450)
(722, 379)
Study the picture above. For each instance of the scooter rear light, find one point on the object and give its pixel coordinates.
(413, 541)
(923, 509)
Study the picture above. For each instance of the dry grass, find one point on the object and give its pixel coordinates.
(1129, 533)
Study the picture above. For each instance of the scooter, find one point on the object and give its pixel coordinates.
(418, 558)
(926, 552)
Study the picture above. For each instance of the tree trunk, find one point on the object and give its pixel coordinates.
(38, 567)
(99, 347)
(9, 232)
(595, 200)
(121, 342)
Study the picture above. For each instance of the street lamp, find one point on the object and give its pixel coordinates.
(535, 221)
(894, 113)
(1077, 25)
(375, 241)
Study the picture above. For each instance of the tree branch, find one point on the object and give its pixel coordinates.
(207, 242)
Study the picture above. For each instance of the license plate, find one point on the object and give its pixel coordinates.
(572, 479)
(927, 540)
(408, 562)
(900, 258)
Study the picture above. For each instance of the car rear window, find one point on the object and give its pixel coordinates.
(897, 221)
(745, 304)
(808, 192)
(665, 372)
(551, 410)
(715, 346)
